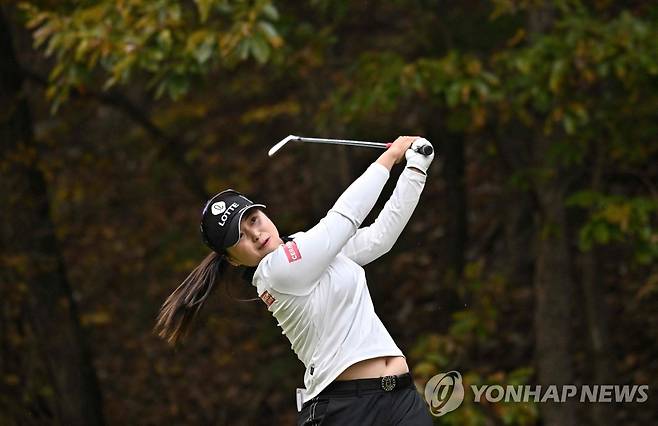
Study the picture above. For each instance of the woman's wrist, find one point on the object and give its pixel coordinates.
(387, 160)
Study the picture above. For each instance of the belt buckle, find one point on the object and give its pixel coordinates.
(388, 383)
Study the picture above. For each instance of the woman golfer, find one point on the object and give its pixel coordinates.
(314, 284)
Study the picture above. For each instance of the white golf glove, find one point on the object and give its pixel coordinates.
(418, 160)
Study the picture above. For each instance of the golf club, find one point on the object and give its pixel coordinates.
(425, 150)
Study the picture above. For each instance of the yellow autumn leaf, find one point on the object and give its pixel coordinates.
(618, 214)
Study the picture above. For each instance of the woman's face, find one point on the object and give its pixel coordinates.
(258, 237)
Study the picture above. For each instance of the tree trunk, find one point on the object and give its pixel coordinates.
(27, 238)
(553, 283)
(450, 149)
(457, 229)
(553, 288)
(597, 324)
(517, 261)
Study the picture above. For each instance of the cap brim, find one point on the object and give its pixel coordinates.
(232, 237)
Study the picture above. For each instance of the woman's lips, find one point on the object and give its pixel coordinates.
(265, 243)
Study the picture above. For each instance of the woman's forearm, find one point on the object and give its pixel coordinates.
(372, 241)
(387, 160)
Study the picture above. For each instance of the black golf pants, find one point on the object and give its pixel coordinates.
(386, 401)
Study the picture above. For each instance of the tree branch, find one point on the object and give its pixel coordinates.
(168, 148)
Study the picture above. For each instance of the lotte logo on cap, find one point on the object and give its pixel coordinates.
(218, 208)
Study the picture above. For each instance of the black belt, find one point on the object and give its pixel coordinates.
(383, 384)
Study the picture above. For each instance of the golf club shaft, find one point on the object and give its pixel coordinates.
(343, 142)
(425, 150)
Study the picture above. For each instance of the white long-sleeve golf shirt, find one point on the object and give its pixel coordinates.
(315, 285)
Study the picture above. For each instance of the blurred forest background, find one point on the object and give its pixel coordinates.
(531, 258)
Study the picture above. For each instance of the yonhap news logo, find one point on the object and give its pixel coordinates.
(563, 393)
(445, 393)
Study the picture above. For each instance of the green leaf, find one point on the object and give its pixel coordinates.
(270, 11)
(203, 6)
(583, 198)
(453, 94)
(260, 49)
(268, 29)
(557, 74)
(569, 124)
(242, 50)
(205, 49)
(601, 232)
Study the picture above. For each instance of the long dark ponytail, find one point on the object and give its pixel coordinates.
(182, 306)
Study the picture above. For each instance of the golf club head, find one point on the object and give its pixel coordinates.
(280, 144)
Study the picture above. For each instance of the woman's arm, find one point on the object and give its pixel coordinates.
(296, 265)
(373, 241)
